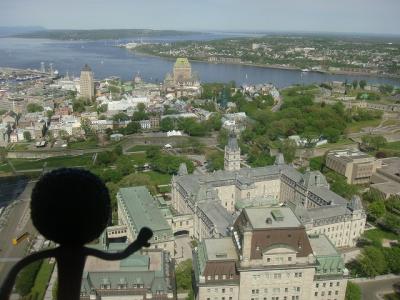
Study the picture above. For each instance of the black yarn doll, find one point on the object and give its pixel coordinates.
(71, 207)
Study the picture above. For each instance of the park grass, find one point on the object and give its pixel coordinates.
(377, 235)
(52, 162)
(392, 146)
(88, 144)
(20, 147)
(159, 178)
(357, 126)
(138, 148)
(137, 158)
(42, 279)
(5, 168)
(341, 142)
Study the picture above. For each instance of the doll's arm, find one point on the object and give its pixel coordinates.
(8, 283)
(144, 236)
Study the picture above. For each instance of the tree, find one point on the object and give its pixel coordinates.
(373, 261)
(78, 105)
(362, 84)
(355, 84)
(374, 142)
(138, 180)
(331, 134)
(215, 161)
(120, 117)
(102, 108)
(376, 209)
(132, 127)
(27, 136)
(34, 107)
(353, 291)
(167, 124)
(184, 276)
(288, 148)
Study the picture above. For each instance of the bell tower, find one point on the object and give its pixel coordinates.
(232, 154)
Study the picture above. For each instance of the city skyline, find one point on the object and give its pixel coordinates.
(355, 16)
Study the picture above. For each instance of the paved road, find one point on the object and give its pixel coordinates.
(18, 222)
(183, 249)
(370, 290)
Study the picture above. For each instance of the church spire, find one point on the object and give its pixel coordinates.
(232, 154)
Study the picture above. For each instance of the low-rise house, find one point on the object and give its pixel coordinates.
(145, 124)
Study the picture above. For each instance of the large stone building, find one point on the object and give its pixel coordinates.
(355, 165)
(182, 79)
(87, 83)
(214, 200)
(147, 275)
(268, 256)
(137, 208)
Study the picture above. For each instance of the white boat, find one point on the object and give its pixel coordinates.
(305, 70)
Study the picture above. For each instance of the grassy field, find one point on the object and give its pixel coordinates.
(159, 178)
(88, 144)
(357, 126)
(52, 162)
(392, 146)
(42, 279)
(341, 142)
(377, 235)
(20, 147)
(137, 148)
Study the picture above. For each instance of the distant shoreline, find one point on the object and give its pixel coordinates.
(289, 68)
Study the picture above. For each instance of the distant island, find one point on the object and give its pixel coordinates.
(100, 34)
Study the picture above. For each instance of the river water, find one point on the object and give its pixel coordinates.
(108, 60)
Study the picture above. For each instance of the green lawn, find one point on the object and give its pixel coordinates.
(392, 146)
(159, 178)
(357, 126)
(88, 144)
(52, 162)
(341, 142)
(377, 235)
(138, 158)
(137, 148)
(5, 168)
(20, 147)
(42, 279)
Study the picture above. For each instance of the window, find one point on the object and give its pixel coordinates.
(331, 284)
(316, 294)
(289, 258)
(223, 290)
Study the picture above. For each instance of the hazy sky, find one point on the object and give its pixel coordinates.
(364, 16)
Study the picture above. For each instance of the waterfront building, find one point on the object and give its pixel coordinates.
(268, 256)
(87, 83)
(355, 165)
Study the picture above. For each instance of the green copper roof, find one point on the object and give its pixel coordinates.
(143, 210)
(182, 63)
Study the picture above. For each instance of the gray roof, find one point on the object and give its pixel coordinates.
(314, 178)
(328, 195)
(321, 245)
(329, 211)
(220, 249)
(218, 215)
(142, 209)
(86, 68)
(232, 142)
(272, 217)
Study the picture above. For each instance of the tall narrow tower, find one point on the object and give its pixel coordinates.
(87, 83)
(232, 154)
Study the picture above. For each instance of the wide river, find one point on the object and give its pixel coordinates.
(107, 60)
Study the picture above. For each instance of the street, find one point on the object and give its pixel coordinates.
(18, 221)
(371, 289)
(182, 248)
